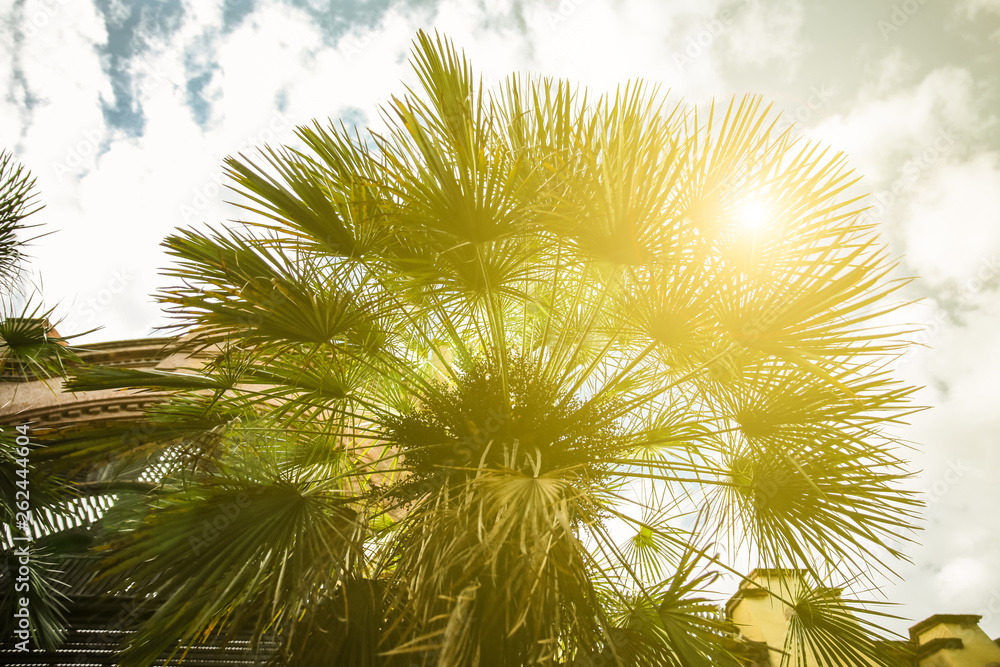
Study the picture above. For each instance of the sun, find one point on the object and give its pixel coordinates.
(753, 214)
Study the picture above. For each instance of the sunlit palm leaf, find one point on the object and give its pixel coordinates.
(509, 330)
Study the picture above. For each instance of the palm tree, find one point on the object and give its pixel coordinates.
(17, 202)
(27, 341)
(513, 380)
(29, 500)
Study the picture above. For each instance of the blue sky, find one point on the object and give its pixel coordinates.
(124, 110)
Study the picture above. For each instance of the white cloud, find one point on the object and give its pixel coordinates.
(939, 197)
(886, 76)
(972, 9)
(977, 10)
(938, 191)
(269, 52)
(66, 88)
(958, 456)
(951, 227)
(884, 128)
(602, 45)
(767, 33)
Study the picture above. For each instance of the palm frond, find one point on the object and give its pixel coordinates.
(499, 369)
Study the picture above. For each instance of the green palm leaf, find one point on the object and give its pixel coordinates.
(500, 369)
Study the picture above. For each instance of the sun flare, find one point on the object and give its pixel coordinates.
(753, 214)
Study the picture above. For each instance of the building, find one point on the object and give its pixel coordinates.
(942, 640)
(98, 623)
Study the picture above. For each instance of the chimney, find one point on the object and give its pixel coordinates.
(762, 619)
